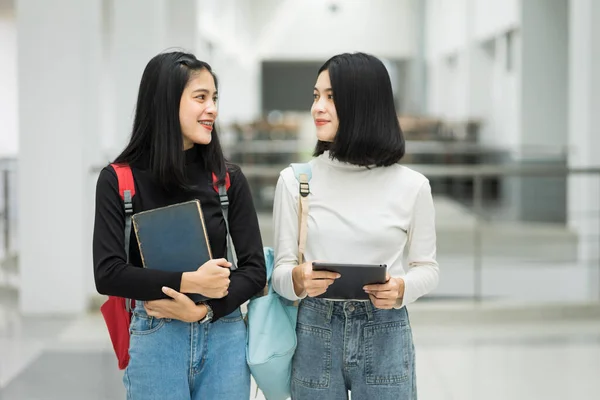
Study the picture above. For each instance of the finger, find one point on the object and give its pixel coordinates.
(322, 284)
(314, 292)
(383, 295)
(382, 304)
(221, 262)
(325, 275)
(151, 312)
(379, 287)
(373, 300)
(374, 288)
(168, 291)
(172, 293)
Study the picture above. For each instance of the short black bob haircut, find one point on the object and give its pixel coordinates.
(369, 133)
(156, 140)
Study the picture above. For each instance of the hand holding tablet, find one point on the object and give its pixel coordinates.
(353, 278)
(313, 282)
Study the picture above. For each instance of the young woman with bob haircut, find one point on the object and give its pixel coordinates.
(180, 349)
(364, 208)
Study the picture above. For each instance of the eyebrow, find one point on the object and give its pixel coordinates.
(204, 91)
(326, 90)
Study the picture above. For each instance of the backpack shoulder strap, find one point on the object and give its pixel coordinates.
(126, 191)
(303, 174)
(222, 189)
(215, 182)
(300, 169)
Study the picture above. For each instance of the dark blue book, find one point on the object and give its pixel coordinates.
(173, 238)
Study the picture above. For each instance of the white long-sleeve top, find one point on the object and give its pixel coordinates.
(377, 215)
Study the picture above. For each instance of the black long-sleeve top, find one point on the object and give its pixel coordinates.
(114, 276)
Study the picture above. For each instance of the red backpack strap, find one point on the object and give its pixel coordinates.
(126, 191)
(125, 178)
(215, 182)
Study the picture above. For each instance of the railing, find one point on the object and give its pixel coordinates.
(533, 237)
(504, 231)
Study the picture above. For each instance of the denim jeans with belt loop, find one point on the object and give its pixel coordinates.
(353, 346)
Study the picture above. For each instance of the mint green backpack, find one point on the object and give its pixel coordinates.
(271, 338)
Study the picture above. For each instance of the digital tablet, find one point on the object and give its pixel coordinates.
(353, 278)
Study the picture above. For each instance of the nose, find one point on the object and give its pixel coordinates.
(319, 106)
(211, 108)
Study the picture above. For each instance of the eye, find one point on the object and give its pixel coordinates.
(330, 97)
(200, 97)
(315, 96)
(215, 99)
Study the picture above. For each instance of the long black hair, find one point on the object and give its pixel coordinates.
(156, 139)
(369, 131)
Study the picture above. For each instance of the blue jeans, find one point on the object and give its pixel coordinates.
(352, 346)
(175, 360)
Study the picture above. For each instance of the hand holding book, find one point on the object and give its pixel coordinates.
(174, 238)
(210, 280)
(179, 307)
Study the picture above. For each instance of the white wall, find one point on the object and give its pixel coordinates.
(308, 30)
(521, 99)
(493, 16)
(9, 124)
(231, 27)
(446, 27)
(242, 34)
(466, 63)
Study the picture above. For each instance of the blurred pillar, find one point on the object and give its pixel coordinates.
(539, 48)
(8, 79)
(584, 137)
(59, 49)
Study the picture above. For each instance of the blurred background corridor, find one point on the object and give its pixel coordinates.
(498, 101)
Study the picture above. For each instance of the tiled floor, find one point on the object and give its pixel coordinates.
(63, 359)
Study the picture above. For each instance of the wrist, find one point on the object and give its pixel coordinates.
(401, 287)
(207, 313)
(185, 284)
(201, 311)
(297, 280)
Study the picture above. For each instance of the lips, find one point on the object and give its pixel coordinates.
(208, 125)
(321, 122)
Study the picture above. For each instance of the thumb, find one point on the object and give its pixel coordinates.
(221, 262)
(170, 292)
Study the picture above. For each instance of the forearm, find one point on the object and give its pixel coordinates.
(125, 280)
(419, 281)
(285, 284)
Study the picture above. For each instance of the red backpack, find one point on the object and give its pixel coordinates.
(117, 310)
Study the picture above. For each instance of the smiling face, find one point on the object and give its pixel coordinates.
(198, 109)
(323, 109)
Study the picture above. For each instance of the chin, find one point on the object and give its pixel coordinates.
(203, 138)
(325, 137)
